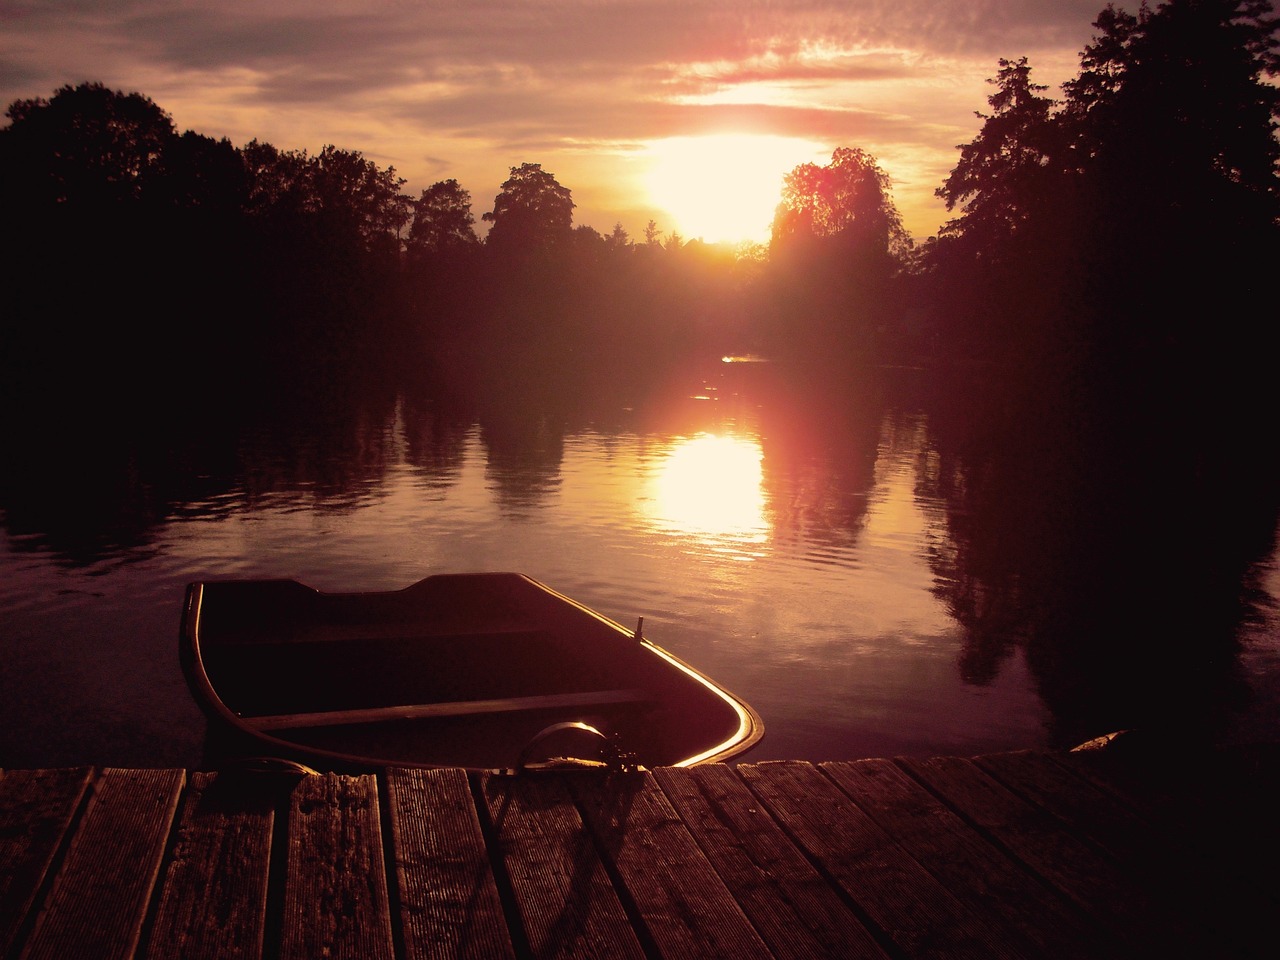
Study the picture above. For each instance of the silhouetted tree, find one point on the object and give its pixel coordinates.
(279, 181)
(836, 243)
(338, 197)
(204, 174)
(533, 211)
(849, 201)
(1007, 167)
(1174, 118)
(442, 221)
(1174, 121)
(1001, 261)
(1125, 244)
(95, 248)
(1106, 230)
(355, 194)
(618, 239)
(87, 145)
(1186, 82)
(110, 213)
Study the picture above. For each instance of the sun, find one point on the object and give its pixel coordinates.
(724, 188)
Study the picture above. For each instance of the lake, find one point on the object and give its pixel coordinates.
(862, 571)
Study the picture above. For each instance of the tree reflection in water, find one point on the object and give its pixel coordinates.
(1117, 544)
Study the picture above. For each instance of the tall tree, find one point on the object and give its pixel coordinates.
(1151, 394)
(836, 243)
(279, 179)
(354, 193)
(1009, 165)
(1120, 215)
(442, 221)
(1174, 118)
(532, 212)
(87, 145)
(1174, 108)
(849, 200)
(205, 174)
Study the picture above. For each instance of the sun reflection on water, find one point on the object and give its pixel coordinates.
(710, 487)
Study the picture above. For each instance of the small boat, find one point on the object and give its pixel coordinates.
(486, 671)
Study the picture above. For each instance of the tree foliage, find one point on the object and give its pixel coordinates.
(442, 221)
(1189, 78)
(87, 145)
(280, 181)
(110, 212)
(533, 211)
(1110, 277)
(837, 241)
(1011, 162)
(1115, 221)
(359, 197)
(848, 201)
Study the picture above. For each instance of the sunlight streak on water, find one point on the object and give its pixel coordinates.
(709, 488)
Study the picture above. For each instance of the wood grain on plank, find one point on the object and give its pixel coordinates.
(213, 902)
(795, 910)
(677, 894)
(906, 902)
(36, 810)
(566, 902)
(336, 903)
(991, 883)
(100, 896)
(449, 902)
(1069, 862)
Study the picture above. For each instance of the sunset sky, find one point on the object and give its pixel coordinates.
(686, 112)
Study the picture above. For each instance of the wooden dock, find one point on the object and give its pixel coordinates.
(1037, 855)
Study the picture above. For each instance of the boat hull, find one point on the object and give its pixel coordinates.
(481, 671)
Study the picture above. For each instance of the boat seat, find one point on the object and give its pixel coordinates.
(455, 708)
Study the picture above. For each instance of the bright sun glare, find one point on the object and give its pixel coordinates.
(711, 486)
(724, 187)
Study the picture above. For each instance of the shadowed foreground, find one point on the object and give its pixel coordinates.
(1116, 852)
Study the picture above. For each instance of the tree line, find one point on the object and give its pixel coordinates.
(1104, 294)
(1148, 192)
(1113, 247)
(1129, 224)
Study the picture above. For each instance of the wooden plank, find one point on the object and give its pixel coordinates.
(1075, 866)
(684, 905)
(908, 904)
(99, 897)
(453, 708)
(449, 905)
(797, 913)
(1087, 810)
(1218, 840)
(213, 902)
(336, 903)
(36, 809)
(1226, 794)
(979, 874)
(565, 901)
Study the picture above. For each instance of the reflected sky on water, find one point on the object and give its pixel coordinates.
(803, 554)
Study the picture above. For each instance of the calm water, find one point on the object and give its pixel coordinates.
(820, 558)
